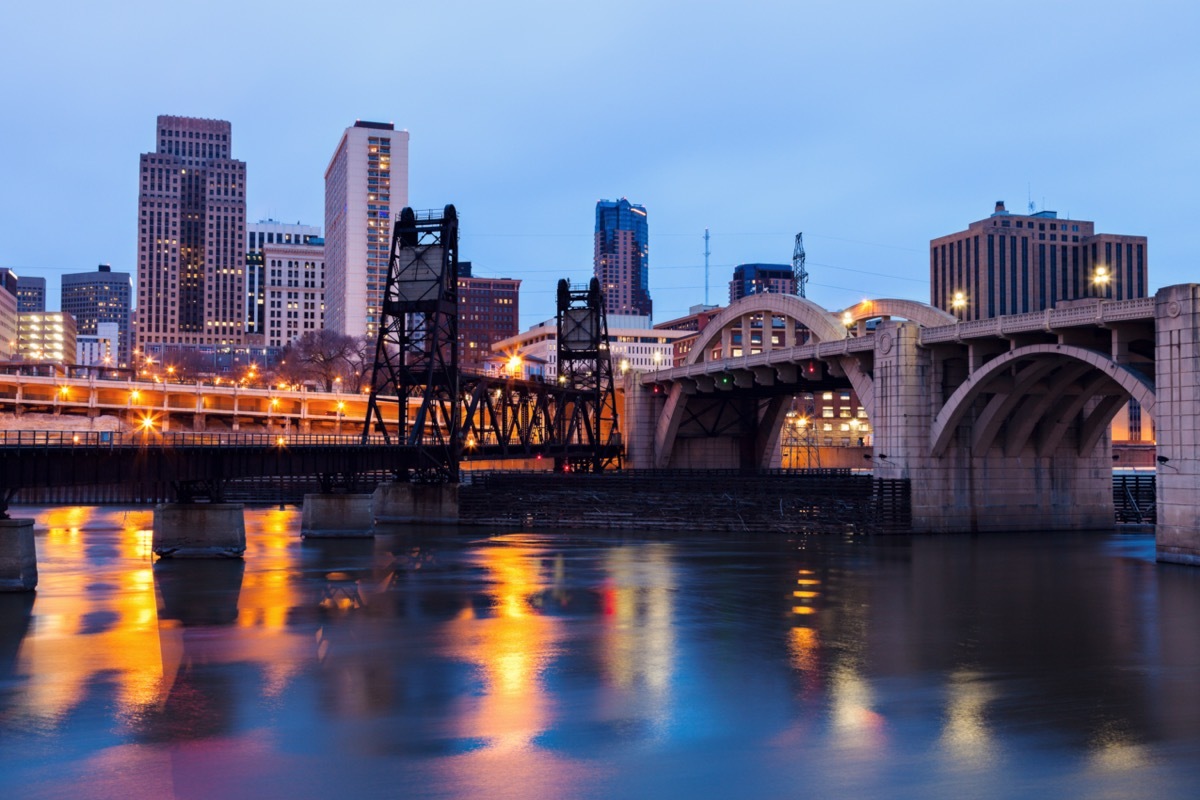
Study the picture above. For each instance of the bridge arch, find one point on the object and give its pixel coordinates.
(823, 326)
(923, 314)
(1040, 384)
(758, 316)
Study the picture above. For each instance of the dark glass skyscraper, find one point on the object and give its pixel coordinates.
(100, 296)
(622, 257)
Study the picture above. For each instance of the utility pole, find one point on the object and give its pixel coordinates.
(707, 253)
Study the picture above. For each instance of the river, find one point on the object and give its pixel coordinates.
(582, 664)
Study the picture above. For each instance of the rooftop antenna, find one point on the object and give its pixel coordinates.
(799, 272)
(707, 253)
(1029, 197)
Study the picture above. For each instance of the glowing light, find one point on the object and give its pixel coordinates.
(959, 301)
(514, 364)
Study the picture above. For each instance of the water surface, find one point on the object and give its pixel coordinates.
(577, 664)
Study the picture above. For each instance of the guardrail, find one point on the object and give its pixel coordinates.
(182, 439)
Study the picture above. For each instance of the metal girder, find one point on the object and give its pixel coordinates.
(416, 351)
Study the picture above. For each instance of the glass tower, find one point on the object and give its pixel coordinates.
(622, 257)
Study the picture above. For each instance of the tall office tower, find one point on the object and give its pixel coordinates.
(488, 311)
(96, 297)
(622, 257)
(293, 290)
(31, 295)
(1017, 263)
(259, 235)
(366, 185)
(191, 239)
(751, 279)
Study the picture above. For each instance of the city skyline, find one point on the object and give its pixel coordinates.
(871, 132)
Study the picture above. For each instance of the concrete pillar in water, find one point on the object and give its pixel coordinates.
(402, 503)
(337, 516)
(18, 559)
(199, 530)
(1176, 412)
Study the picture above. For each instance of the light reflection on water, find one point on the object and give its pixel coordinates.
(585, 665)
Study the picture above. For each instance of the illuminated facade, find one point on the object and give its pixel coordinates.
(1018, 263)
(634, 345)
(366, 186)
(751, 279)
(31, 294)
(488, 312)
(96, 298)
(259, 235)
(46, 336)
(293, 290)
(622, 257)
(191, 281)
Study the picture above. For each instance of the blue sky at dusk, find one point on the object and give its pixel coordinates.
(871, 126)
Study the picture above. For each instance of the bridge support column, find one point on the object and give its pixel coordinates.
(199, 422)
(638, 423)
(961, 490)
(409, 503)
(18, 559)
(199, 530)
(1177, 379)
(336, 516)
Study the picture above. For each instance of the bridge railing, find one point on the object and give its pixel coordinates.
(181, 439)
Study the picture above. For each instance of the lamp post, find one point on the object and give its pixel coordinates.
(1101, 279)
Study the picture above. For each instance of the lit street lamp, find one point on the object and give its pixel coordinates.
(1101, 279)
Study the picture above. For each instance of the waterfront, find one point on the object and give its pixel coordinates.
(579, 664)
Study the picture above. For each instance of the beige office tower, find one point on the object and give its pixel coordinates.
(366, 186)
(191, 283)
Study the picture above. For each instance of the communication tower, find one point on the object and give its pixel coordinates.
(799, 272)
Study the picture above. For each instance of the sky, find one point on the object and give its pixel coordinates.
(871, 126)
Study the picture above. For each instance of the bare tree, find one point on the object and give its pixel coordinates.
(320, 356)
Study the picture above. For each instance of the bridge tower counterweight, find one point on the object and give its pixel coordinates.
(416, 351)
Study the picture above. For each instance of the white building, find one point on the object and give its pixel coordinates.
(100, 348)
(293, 291)
(635, 346)
(259, 235)
(366, 186)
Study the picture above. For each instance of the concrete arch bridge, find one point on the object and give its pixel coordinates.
(999, 424)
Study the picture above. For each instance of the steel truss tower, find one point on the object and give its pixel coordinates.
(416, 354)
(585, 364)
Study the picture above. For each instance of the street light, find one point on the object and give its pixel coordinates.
(657, 359)
(959, 302)
(514, 365)
(1101, 278)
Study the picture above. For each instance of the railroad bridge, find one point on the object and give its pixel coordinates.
(1000, 424)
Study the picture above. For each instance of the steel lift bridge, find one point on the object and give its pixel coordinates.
(432, 412)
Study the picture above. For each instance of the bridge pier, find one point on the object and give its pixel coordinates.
(408, 503)
(199, 530)
(961, 490)
(337, 516)
(18, 558)
(1177, 374)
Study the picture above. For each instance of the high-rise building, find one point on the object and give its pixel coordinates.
(96, 297)
(31, 294)
(293, 290)
(751, 279)
(1017, 263)
(191, 239)
(46, 336)
(8, 314)
(366, 186)
(622, 256)
(259, 235)
(488, 310)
